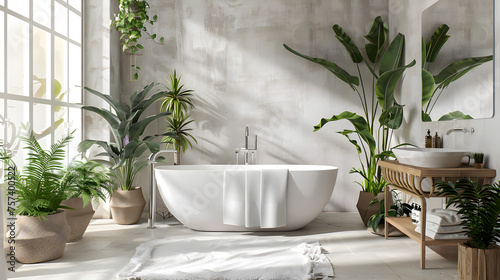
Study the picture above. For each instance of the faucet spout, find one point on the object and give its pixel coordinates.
(464, 130)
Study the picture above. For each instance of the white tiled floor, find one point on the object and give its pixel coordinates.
(354, 252)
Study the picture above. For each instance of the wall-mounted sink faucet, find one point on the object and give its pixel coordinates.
(249, 151)
(464, 130)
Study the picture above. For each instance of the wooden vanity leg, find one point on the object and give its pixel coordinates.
(423, 215)
(386, 224)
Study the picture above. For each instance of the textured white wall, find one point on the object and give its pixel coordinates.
(231, 54)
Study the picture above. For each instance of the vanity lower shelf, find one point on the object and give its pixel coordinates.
(405, 225)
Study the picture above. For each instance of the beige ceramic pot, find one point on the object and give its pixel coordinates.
(39, 240)
(363, 201)
(78, 218)
(127, 206)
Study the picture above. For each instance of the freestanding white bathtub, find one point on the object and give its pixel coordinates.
(193, 194)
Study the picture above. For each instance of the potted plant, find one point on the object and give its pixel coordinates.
(127, 127)
(479, 206)
(178, 101)
(42, 230)
(478, 160)
(385, 68)
(131, 22)
(433, 86)
(83, 181)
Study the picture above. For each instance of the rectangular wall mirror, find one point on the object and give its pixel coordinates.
(457, 70)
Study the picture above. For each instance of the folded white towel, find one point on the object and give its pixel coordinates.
(233, 201)
(255, 198)
(444, 217)
(444, 229)
(273, 197)
(252, 198)
(435, 235)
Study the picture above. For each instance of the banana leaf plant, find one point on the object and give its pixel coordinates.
(127, 127)
(433, 86)
(381, 112)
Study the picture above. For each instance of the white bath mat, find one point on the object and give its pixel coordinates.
(256, 258)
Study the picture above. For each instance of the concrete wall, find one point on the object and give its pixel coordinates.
(231, 54)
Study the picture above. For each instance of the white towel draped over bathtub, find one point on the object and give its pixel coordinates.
(255, 198)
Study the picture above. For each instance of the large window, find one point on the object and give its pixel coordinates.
(40, 71)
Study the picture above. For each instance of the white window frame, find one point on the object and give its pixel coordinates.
(30, 99)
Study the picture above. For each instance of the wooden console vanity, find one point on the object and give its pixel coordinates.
(408, 178)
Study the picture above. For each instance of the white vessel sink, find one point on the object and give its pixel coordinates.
(430, 157)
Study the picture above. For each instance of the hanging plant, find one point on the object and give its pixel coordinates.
(131, 22)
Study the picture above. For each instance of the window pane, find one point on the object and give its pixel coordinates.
(2, 121)
(75, 123)
(2, 60)
(20, 6)
(42, 12)
(60, 122)
(17, 114)
(75, 75)
(61, 69)
(75, 27)
(77, 4)
(42, 126)
(41, 64)
(61, 19)
(17, 56)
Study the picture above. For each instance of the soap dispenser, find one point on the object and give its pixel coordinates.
(428, 139)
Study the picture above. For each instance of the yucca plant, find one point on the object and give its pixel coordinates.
(38, 187)
(127, 127)
(381, 112)
(433, 86)
(178, 101)
(178, 125)
(479, 206)
(86, 179)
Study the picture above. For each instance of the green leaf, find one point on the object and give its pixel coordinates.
(455, 115)
(358, 121)
(386, 84)
(392, 117)
(348, 44)
(137, 129)
(427, 86)
(377, 36)
(459, 68)
(162, 40)
(112, 102)
(393, 55)
(352, 81)
(140, 46)
(426, 117)
(436, 42)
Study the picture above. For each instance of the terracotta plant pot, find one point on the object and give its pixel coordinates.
(127, 206)
(78, 218)
(478, 264)
(39, 240)
(393, 232)
(363, 201)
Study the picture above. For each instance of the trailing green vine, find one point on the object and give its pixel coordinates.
(131, 21)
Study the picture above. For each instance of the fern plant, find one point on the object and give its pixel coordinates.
(480, 207)
(38, 188)
(87, 180)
